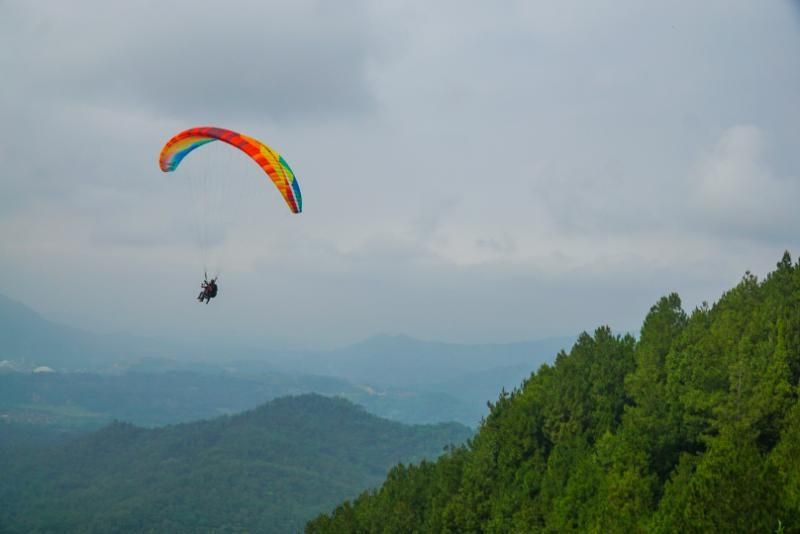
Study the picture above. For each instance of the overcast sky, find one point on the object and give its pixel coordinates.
(471, 171)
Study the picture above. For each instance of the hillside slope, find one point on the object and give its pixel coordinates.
(695, 427)
(29, 340)
(266, 470)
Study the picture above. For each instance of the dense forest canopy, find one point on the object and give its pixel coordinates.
(694, 427)
(265, 470)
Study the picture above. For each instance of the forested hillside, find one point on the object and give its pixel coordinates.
(266, 470)
(694, 427)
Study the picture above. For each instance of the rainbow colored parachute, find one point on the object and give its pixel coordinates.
(273, 164)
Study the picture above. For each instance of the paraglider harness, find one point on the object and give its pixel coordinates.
(209, 290)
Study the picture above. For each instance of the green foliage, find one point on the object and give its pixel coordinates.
(695, 427)
(267, 470)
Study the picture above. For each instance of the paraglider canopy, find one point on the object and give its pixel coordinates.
(270, 161)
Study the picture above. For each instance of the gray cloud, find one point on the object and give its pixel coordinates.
(195, 60)
(470, 171)
(502, 244)
(735, 193)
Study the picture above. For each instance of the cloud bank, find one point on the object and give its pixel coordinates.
(471, 172)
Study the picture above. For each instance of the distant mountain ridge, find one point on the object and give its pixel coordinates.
(401, 360)
(30, 340)
(25, 336)
(398, 376)
(85, 401)
(265, 470)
